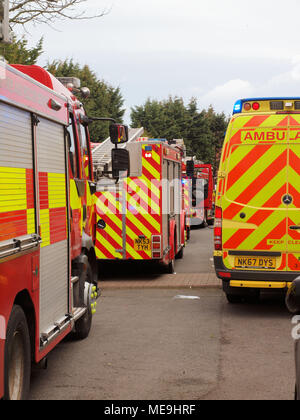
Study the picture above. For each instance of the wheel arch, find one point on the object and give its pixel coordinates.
(23, 299)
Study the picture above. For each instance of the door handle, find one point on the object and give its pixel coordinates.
(294, 227)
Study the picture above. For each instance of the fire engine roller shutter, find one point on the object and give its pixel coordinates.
(16, 174)
(53, 222)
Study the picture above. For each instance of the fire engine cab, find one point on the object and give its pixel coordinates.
(48, 281)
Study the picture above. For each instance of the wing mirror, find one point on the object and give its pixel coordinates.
(118, 134)
(120, 163)
(190, 168)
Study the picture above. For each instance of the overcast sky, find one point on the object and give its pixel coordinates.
(215, 50)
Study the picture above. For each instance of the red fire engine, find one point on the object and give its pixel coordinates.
(48, 277)
(142, 218)
(198, 193)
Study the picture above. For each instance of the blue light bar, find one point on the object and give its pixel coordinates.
(238, 106)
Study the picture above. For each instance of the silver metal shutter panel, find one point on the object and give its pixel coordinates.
(54, 276)
(16, 138)
(15, 154)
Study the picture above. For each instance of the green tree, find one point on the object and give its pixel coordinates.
(105, 100)
(19, 53)
(202, 131)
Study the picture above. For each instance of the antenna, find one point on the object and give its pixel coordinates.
(5, 32)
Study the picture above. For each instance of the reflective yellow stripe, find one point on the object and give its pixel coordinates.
(45, 227)
(57, 190)
(30, 221)
(12, 189)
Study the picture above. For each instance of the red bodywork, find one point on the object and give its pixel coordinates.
(206, 172)
(32, 88)
(203, 210)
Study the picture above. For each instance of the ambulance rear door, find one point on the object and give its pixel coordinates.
(254, 226)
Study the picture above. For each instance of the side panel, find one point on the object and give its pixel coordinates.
(17, 216)
(54, 269)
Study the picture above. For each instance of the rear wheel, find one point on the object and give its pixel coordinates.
(17, 364)
(188, 233)
(84, 324)
(171, 266)
(180, 254)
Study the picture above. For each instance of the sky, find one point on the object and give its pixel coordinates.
(215, 50)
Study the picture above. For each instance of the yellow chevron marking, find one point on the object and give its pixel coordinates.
(110, 232)
(139, 225)
(254, 171)
(153, 191)
(151, 169)
(111, 198)
(156, 157)
(144, 213)
(108, 246)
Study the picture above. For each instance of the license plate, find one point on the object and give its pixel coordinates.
(263, 263)
(142, 244)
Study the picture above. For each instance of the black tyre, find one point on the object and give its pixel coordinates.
(84, 324)
(180, 254)
(17, 358)
(171, 267)
(188, 233)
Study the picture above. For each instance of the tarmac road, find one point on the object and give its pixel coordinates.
(152, 343)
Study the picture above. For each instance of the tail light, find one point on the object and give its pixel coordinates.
(156, 246)
(218, 229)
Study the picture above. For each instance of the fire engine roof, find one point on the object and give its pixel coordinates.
(45, 78)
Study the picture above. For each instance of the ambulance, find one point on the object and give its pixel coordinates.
(257, 217)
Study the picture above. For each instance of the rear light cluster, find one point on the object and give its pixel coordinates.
(218, 229)
(156, 246)
(248, 106)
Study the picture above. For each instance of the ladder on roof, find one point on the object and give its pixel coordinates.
(102, 153)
